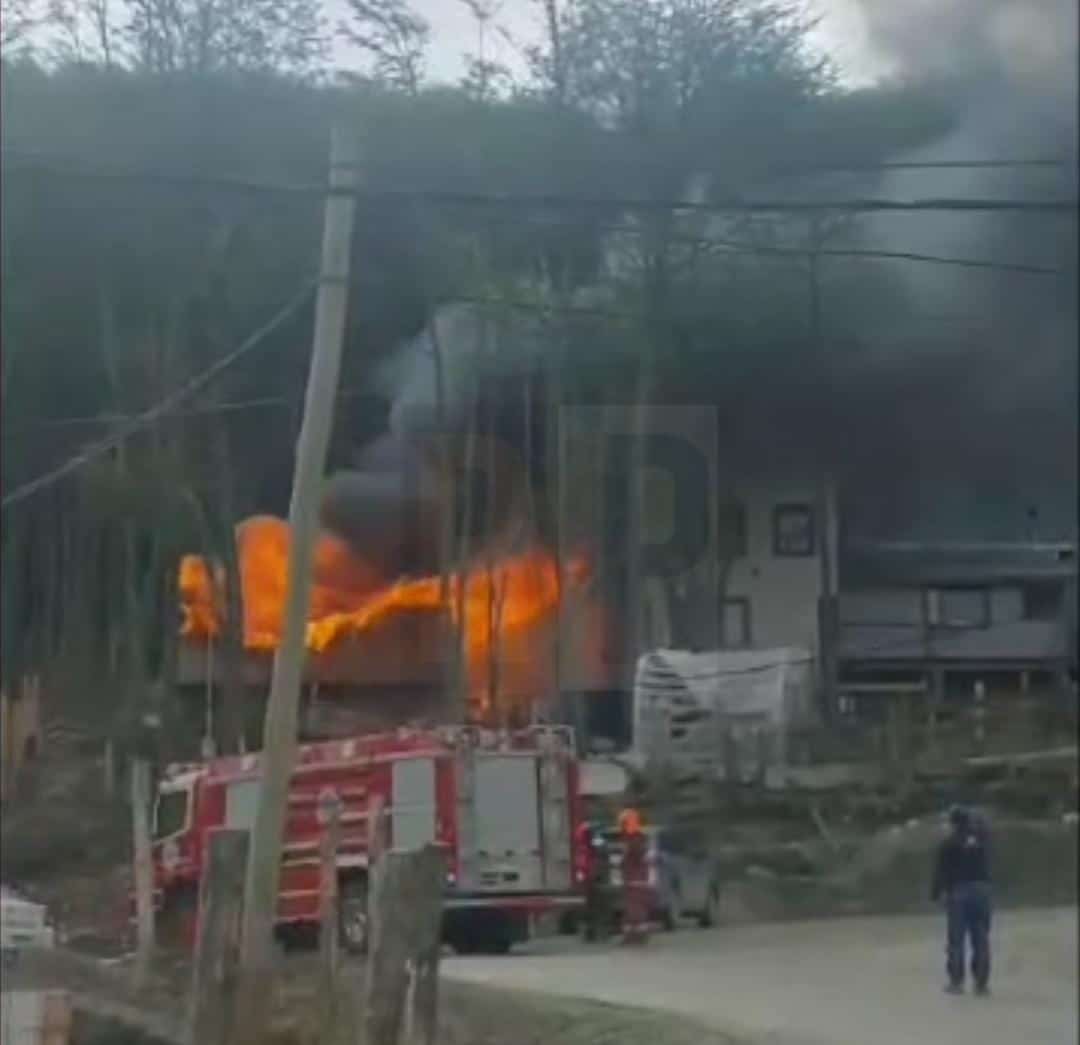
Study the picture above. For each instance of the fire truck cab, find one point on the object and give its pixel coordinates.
(502, 806)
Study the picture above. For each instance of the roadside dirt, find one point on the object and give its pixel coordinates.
(1033, 863)
(485, 1016)
(471, 1014)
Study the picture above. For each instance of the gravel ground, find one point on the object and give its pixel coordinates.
(856, 981)
(859, 981)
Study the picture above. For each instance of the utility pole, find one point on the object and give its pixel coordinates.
(279, 730)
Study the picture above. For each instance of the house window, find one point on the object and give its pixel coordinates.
(1042, 600)
(735, 623)
(958, 607)
(793, 530)
(731, 533)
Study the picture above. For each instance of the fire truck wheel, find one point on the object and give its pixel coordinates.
(487, 941)
(672, 912)
(482, 934)
(353, 915)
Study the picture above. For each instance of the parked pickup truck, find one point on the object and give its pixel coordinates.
(683, 880)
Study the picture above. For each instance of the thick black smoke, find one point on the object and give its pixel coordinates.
(1006, 428)
(957, 410)
(389, 507)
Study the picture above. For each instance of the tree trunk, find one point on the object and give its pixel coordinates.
(233, 692)
(556, 380)
(635, 587)
(464, 559)
(558, 66)
(452, 626)
(492, 570)
(135, 682)
(658, 236)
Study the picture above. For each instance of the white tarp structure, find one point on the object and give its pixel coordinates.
(600, 778)
(692, 709)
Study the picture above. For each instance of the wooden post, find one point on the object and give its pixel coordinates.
(217, 951)
(406, 915)
(330, 807)
(937, 696)
(979, 717)
(143, 869)
(279, 731)
(731, 757)
(425, 1021)
(7, 739)
(376, 830)
(892, 713)
(908, 748)
(761, 743)
(108, 769)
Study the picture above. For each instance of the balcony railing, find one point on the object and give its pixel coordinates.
(856, 637)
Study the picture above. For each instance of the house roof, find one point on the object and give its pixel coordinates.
(915, 563)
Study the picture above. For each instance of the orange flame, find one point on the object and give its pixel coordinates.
(506, 614)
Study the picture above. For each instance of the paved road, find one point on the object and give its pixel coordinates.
(863, 981)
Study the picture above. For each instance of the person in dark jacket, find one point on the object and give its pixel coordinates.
(962, 879)
(598, 914)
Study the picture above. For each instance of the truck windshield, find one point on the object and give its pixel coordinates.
(170, 815)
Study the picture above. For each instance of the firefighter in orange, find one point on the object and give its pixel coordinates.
(597, 874)
(635, 876)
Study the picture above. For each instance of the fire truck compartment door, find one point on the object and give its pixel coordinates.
(412, 803)
(555, 824)
(241, 804)
(507, 853)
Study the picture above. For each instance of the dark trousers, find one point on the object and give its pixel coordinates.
(968, 910)
(597, 910)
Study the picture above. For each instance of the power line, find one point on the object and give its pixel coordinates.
(549, 201)
(742, 247)
(924, 165)
(968, 163)
(546, 202)
(728, 206)
(165, 406)
(236, 406)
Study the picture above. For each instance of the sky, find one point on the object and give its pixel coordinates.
(453, 33)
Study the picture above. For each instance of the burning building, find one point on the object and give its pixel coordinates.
(382, 650)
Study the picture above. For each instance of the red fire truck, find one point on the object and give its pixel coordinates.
(503, 806)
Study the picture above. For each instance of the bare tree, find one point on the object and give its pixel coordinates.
(483, 75)
(85, 31)
(190, 36)
(395, 38)
(18, 19)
